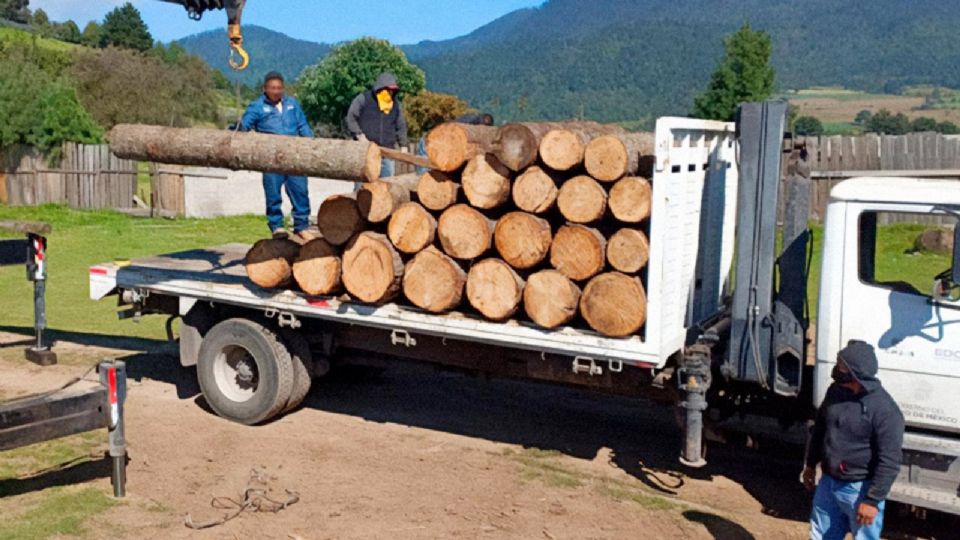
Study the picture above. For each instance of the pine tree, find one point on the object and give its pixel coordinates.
(91, 34)
(123, 27)
(744, 74)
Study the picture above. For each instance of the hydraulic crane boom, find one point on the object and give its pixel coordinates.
(196, 8)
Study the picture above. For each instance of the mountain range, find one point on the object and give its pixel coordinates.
(633, 60)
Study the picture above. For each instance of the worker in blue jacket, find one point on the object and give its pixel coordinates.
(279, 114)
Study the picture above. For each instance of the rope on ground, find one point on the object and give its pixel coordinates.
(253, 499)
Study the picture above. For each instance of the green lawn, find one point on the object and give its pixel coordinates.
(832, 92)
(82, 239)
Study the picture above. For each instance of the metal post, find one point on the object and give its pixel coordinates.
(113, 375)
(37, 273)
(694, 379)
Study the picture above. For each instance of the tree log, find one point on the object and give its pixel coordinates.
(535, 191)
(326, 158)
(378, 200)
(317, 268)
(516, 146)
(612, 157)
(582, 200)
(437, 191)
(631, 199)
(494, 289)
(550, 299)
(372, 268)
(412, 228)
(409, 181)
(614, 304)
(563, 148)
(578, 252)
(451, 145)
(628, 251)
(269, 262)
(339, 219)
(433, 281)
(522, 239)
(464, 232)
(486, 182)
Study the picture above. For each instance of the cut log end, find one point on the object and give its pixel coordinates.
(378, 200)
(464, 232)
(535, 191)
(433, 281)
(606, 158)
(339, 219)
(631, 199)
(578, 252)
(372, 268)
(516, 146)
(562, 149)
(373, 163)
(486, 182)
(582, 200)
(628, 251)
(451, 145)
(550, 299)
(411, 228)
(614, 304)
(317, 268)
(494, 289)
(437, 191)
(522, 239)
(269, 262)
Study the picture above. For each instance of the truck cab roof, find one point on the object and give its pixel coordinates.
(891, 189)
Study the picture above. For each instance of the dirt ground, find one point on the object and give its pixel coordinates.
(414, 453)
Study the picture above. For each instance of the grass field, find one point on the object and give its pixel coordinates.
(14, 34)
(837, 107)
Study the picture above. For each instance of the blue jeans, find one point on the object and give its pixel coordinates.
(835, 511)
(298, 194)
(422, 151)
(387, 168)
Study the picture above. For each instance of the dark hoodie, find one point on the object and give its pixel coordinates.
(365, 117)
(859, 436)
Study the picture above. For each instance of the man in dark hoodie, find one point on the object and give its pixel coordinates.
(857, 442)
(376, 116)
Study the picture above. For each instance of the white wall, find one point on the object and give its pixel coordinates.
(220, 192)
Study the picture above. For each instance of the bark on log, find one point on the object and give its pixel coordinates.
(612, 157)
(578, 252)
(628, 251)
(522, 239)
(433, 281)
(269, 262)
(378, 200)
(339, 219)
(550, 299)
(494, 289)
(372, 268)
(535, 191)
(582, 200)
(614, 304)
(326, 158)
(409, 181)
(437, 191)
(451, 145)
(412, 228)
(317, 268)
(486, 182)
(631, 199)
(464, 232)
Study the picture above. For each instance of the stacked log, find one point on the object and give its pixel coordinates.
(545, 222)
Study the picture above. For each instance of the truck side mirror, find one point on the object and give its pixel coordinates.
(955, 270)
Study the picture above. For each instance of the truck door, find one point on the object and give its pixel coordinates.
(888, 302)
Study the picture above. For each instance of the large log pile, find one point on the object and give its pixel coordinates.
(544, 222)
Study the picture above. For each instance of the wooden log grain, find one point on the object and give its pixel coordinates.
(451, 145)
(437, 191)
(523, 240)
(378, 200)
(325, 158)
(614, 304)
(494, 289)
(339, 219)
(550, 299)
(612, 157)
(578, 252)
(582, 200)
(433, 281)
(412, 228)
(317, 268)
(564, 148)
(485, 182)
(631, 199)
(372, 268)
(269, 263)
(628, 251)
(464, 232)
(535, 191)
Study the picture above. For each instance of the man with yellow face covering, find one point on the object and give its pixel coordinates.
(376, 116)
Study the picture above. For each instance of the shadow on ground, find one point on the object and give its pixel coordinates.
(66, 474)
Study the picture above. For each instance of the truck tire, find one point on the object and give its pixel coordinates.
(302, 360)
(245, 371)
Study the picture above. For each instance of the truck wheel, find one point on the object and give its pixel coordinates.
(302, 360)
(245, 372)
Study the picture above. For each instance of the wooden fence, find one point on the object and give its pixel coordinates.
(87, 176)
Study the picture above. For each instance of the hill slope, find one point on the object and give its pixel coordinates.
(268, 50)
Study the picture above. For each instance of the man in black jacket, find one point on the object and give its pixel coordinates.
(376, 116)
(857, 442)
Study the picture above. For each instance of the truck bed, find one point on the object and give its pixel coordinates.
(217, 274)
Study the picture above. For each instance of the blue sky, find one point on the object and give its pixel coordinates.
(400, 21)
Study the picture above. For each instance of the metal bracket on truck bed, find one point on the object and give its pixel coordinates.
(284, 319)
(402, 337)
(589, 366)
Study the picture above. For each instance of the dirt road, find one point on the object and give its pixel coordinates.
(415, 453)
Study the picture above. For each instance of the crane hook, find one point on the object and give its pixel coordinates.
(236, 48)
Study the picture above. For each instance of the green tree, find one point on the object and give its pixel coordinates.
(887, 123)
(744, 74)
(41, 23)
(123, 27)
(923, 123)
(948, 128)
(327, 88)
(15, 10)
(91, 34)
(808, 125)
(67, 31)
(427, 110)
(863, 117)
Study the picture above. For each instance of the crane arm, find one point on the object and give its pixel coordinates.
(196, 8)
